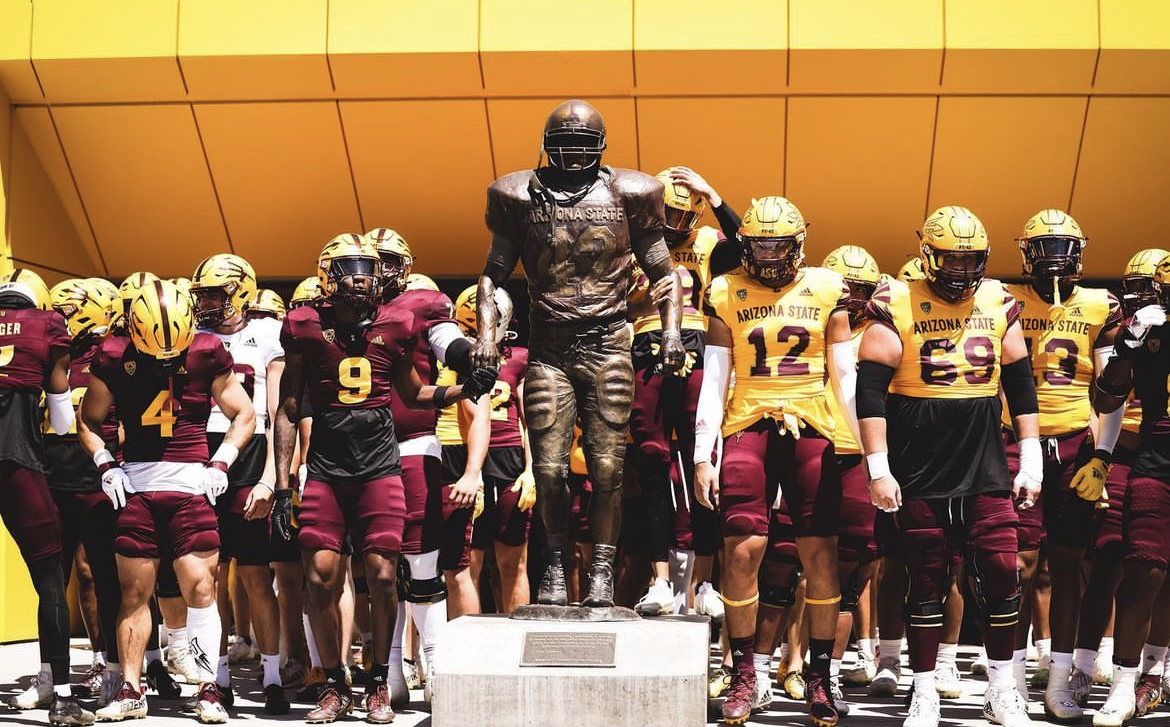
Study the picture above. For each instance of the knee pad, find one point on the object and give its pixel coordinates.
(851, 593)
(540, 397)
(615, 390)
(923, 614)
(995, 610)
(419, 578)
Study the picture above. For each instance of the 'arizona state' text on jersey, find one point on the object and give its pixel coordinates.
(692, 258)
(778, 346)
(1061, 343)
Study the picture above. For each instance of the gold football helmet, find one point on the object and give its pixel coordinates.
(466, 312)
(912, 270)
(161, 321)
(1137, 284)
(350, 271)
(860, 271)
(418, 281)
(954, 252)
(266, 305)
(32, 283)
(684, 209)
(129, 288)
(396, 259)
(88, 308)
(307, 292)
(1051, 245)
(772, 236)
(223, 286)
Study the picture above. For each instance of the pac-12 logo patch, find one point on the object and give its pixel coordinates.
(130, 367)
(925, 306)
(741, 294)
(1154, 344)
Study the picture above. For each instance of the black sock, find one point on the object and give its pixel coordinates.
(743, 655)
(52, 615)
(335, 677)
(378, 677)
(821, 654)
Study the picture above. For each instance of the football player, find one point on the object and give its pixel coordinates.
(946, 343)
(268, 304)
(783, 328)
(34, 361)
(163, 379)
(346, 353)
(1069, 332)
(1142, 365)
(224, 286)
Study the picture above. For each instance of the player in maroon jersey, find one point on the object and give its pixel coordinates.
(34, 360)
(348, 353)
(164, 379)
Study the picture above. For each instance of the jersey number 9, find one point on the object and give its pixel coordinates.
(353, 374)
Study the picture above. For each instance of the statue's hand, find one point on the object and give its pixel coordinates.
(485, 354)
(674, 355)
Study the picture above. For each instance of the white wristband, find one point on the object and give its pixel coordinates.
(103, 456)
(878, 464)
(226, 453)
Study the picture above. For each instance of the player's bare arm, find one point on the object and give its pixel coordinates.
(284, 422)
(841, 363)
(881, 351)
(95, 406)
(470, 483)
(236, 405)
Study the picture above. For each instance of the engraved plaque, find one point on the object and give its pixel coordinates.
(568, 648)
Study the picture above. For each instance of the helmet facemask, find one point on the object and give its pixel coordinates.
(212, 306)
(1138, 291)
(954, 274)
(574, 148)
(860, 291)
(395, 271)
(357, 282)
(679, 224)
(773, 260)
(1052, 257)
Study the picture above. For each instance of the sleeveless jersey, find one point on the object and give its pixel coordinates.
(692, 258)
(429, 307)
(252, 347)
(843, 441)
(1060, 343)
(778, 347)
(949, 350)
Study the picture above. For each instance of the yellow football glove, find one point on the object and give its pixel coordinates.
(477, 509)
(526, 486)
(1089, 481)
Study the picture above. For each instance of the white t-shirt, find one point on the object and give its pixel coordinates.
(252, 347)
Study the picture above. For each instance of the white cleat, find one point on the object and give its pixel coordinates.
(947, 682)
(924, 710)
(38, 694)
(658, 601)
(208, 709)
(126, 704)
(1102, 671)
(763, 693)
(1118, 708)
(885, 682)
(862, 674)
(239, 652)
(979, 665)
(181, 664)
(1059, 703)
(708, 602)
(1005, 707)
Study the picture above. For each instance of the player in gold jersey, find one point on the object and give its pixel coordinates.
(782, 328)
(936, 458)
(1069, 332)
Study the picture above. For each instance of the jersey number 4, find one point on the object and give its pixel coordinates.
(161, 414)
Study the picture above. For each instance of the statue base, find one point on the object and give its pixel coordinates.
(539, 612)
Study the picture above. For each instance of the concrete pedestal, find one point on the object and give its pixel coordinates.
(493, 671)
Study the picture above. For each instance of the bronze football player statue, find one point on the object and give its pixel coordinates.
(574, 224)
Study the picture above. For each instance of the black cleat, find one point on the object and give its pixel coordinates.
(601, 577)
(68, 711)
(274, 700)
(160, 680)
(552, 590)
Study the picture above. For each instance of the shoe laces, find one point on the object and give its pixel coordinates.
(209, 693)
(920, 703)
(126, 692)
(741, 690)
(817, 692)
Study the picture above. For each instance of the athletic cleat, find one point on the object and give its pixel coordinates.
(924, 710)
(885, 682)
(719, 682)
(600, 591)
(1059, 703)
(181, 664)
(795, 686)
(1148, 694)
(1102, 671)
(38, 694)
(126, 704)
(333, 704)
(1118, 708)
(947, 682)
(274, 700)
(658, 601)
(1080, 685)
(413, 675)
(708, 602)
(240, 651)
(737, 707)
(552, 590)
(90, 684)
(399, 691)
(838, 698)
(821, 708)
(313, 685)
(110, 686)
(68, 711)
(862, 674)
(1005, 707)
(227, 698)
(160, 681)
(979, 665)
(763, 695)
(209, 708)
(377, 706)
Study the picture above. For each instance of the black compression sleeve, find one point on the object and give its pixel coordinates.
(725, 257)
(459, 356)
(1019, 388)
(873, 381)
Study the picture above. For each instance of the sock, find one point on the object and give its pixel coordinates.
(822, 654)
(1154, 660)
(99, 658)
(45, 668)
(763, 664)
(834, 668)
(1020, 656)
(379, 674)
(271, 665)
(1105, 651)
(742, 654)
(223, 672)
(1124, 681)
(62, 690)
(947, 653)
(177, 638)
(924, 682)
(1000, 674)
(430, 619)
(314, 655)
(153, 655)
(1062, 660)
(335, 677)
(1083, 660)
(203, 633)
(1044, 647)
(892, 649)
(866, 646)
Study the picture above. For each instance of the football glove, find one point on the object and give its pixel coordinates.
(215, 480)
(526, 486)
(1133, 334)
(282, 515)
(1089, 481)
(480, 382)
(116, 484)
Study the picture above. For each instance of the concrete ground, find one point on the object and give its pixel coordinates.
(17, 661)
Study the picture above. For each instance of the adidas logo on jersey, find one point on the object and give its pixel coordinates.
(378, 340)
(975, 311)
(182, 370)
(806, 291)
(1075, 311)
(250, 342)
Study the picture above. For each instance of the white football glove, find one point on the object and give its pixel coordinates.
(215, 482)
(1144, 320)
(1030, 479)
(116, 484)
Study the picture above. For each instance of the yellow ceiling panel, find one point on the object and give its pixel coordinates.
(517, 126)
(1005, 159)
(38, 125)
(1135, 47)
(283, 180)
(429, 49)
(396, 148)
(737, 144)
(858, 169)
(16, 70)
(1122, 178)
(1040, 46)
(514, 40)
(680, 46)
(232, 49)
(107, 50)
(144, 181)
